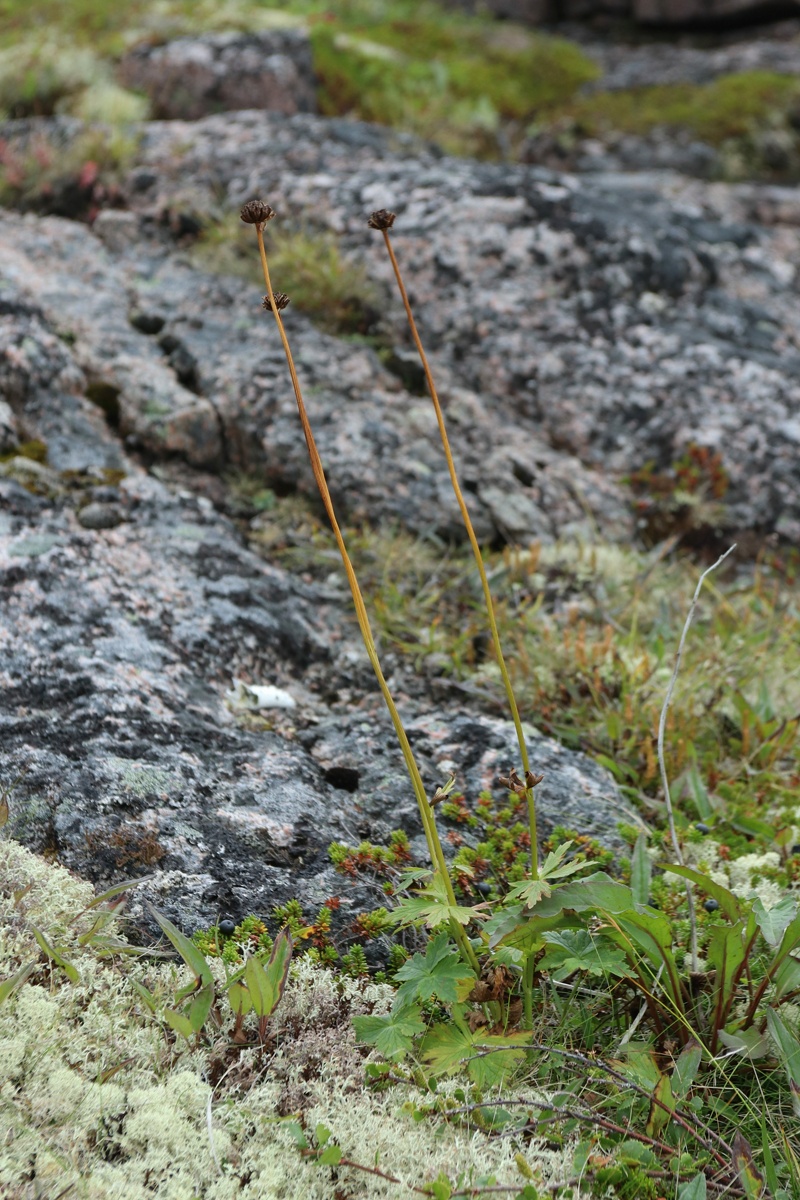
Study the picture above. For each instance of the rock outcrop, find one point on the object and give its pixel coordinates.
(194, 76)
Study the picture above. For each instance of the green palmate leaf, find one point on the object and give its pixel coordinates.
(579, 951)
(634, 1152)
(441, 972)
(10, 985)
(640, 871)
(789, 1054)
(391, 1035)
(686, 1068)
(432, 905)
(554, 858)
(446, 1047)
(732, 907)
(773, 922)
(598, 891)
(55, 956)
(494, 1069)
(190, 954)
(530, 891)
(695, 1189)
(330, 1157)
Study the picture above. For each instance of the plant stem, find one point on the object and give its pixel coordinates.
(476, 550)
(662, 725)
(426, 812)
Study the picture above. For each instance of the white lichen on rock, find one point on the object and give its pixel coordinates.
(95, 1097)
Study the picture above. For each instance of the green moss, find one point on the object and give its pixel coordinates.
(729, 107)
(452, 80)
(308, 264)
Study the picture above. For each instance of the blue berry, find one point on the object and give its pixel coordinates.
(701, 828)
(226, 928)
(711, 905)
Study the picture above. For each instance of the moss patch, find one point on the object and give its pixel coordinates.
(727, 108)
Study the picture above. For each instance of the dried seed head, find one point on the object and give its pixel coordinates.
(280, 298)
(382, 219)
(531, 780)
(256, 212)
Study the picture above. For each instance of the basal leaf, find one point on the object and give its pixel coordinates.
(598, 891)
(446, 1047)
(10, 985)
(640, 871)
(726, 954)
(578, 950)
(55, 956)
(277, 967)
(658, 1119)
(180, 1023)
(259, 987)
(730, 905)
(436, 973)
(686, 1067)
(773, 922)
(200, 1008)
(190, 954)
(493, 1070)
(789, 1053)
(749, 1176)
(695, 1189)
(749, 1043)
(391, 1035)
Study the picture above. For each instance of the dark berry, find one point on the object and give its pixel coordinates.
(701, 828)
(711, 905)
(483, 887)
(226, 928)
(796, 849)
(652, 904)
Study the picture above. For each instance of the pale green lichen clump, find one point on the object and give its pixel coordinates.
(93, 1095)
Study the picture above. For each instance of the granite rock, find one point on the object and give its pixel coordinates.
(193, 76)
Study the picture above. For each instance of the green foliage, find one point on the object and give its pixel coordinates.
(308, 264)
(448, 78)
(729, 107)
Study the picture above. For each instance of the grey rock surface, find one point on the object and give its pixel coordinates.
(122, 757)
(652, 63)
(608, 318)
(193, 76)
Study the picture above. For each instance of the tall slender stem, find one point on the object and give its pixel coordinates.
(426, 812)
(476, 550)
(662, 725)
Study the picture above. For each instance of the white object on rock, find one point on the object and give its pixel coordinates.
(247, 696)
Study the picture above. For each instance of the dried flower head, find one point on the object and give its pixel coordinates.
(382, 219)
(280, 298)
(256, 212)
